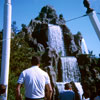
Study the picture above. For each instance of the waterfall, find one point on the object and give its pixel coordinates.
(70, 72)
(70, 69)
(60, 86)
(69, 65)
(79, 87)
(84, 46)
(80, 90)
(55, 39)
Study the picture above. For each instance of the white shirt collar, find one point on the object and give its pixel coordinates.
(35, 66)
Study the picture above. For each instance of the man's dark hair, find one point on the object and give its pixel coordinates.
(35, 60)
(68, 86)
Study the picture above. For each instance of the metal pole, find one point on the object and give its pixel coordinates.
(85, 46)
(95, 22)
(93, 17)
(6, 46)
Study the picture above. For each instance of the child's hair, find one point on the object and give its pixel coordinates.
(68, 86)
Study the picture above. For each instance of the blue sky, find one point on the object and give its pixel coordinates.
(25, 10)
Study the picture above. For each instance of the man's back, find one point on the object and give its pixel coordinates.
(34, 80)
(67, 95)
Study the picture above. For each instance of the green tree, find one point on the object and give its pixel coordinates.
(23, 26)
(20, 59)
(14, 27)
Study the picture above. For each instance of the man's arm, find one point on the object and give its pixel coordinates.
(18, 94)
(48, 91)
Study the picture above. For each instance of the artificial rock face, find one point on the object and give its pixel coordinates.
(37, 34)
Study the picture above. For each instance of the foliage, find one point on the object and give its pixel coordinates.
(14, 27)
(60, 53)
(23, 26)
(61, 16)
(20, 59)
(79, 33)
(91, 54)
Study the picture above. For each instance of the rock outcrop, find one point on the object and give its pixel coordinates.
(36, 36)
(73, 44)
(36, 33)
(90, 75)
(48, 15)
(49, 62)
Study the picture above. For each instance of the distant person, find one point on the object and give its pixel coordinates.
(67, 94)
(36, 82)
(98, 95)
(2, 89)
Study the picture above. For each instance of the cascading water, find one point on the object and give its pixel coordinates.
(55, 39)
(70, 72)
(84, 47)
(70, 69)
(80, 90)
(78, 85)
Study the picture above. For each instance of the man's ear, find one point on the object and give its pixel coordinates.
(38, 64)
(70, 89)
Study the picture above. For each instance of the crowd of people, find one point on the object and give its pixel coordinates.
(38, 86)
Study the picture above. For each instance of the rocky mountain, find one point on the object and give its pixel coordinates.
(37, 30)
(36, 35)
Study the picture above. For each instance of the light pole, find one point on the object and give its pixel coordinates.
(85, 46)
(95, 22)
(93, 17)
(6, 46)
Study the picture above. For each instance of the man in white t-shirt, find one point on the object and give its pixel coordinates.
(36, 82)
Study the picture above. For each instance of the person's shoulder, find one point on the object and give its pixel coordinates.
(71, 91)
(26, 70)
(97, 98)
(61, 92)
(44, 72)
